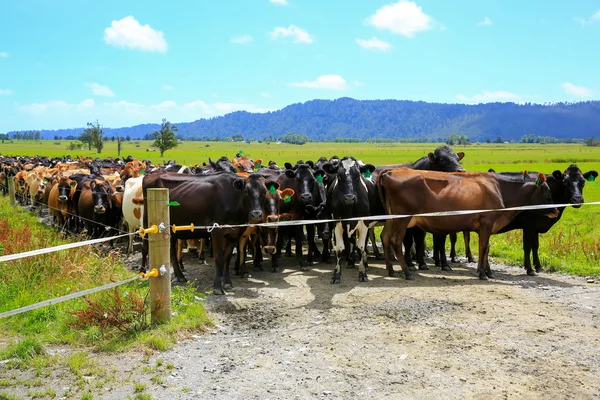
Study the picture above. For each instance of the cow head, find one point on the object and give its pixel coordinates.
(102, 195)
(573, 181)
(444, 159)
(349, 179)
(304, 182)
(222, 164)
(66, 188)
(243, 164)
(542, 194)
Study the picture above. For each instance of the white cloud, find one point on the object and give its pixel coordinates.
(279, 2)
(299, 35)
(485, 22)
(577, 91)
(167, 87)
(58, 114)
(588, 21)
(128, 32)
(488, 97)
(404, 17)
(3, 54)
(100, 90)
(242, 39)
(5, 91)
(374, 44)
(333, 82)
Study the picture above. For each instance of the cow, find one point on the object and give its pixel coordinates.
(566, 188)
(221, 198)
(96, 207)
(37, 188)
(406, 191)
(132, 213)
(60, 200)
(351, 195)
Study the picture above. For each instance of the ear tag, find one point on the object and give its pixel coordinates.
(367, 174)
(174, 204)
(320, 178)
(235, 170)
(287, 198)
(241, 153)
(591, 178)
(143, 172)
(526, 179)
(258, 166)
(272, 189)
(538, 182)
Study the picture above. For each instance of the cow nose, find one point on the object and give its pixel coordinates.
(306, 197)
(256, 215)
(269, 249)
(62, 199)
(273, 218)
(349, 198)
(326, 235)
(120, 188)
(99, 209)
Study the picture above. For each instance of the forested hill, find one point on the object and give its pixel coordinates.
(363, 119)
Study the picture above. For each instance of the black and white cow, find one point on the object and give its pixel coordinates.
(351, 195)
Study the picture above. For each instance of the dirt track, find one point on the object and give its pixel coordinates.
(292, 335)
(444, 335)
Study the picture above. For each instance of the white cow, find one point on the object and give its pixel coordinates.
(132, 213)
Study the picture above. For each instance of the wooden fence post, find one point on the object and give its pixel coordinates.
(157, 202)
(11, 190)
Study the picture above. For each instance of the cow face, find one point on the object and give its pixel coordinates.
(222, 164)
(305, 182)
(349, 180)
(543, 195)
(243, 164)
(445, 160)
(66, 188)
(573, 181)
(101, 195)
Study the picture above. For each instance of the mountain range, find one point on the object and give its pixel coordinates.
(323, 120)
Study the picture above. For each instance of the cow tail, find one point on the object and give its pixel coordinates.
(381, 189)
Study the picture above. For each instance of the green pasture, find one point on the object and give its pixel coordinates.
(572, 246)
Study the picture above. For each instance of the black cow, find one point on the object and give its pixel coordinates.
(351, 195)
(566, 188)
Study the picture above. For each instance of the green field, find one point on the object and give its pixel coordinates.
(572, 246)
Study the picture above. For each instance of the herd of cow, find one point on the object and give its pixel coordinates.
(103, 196)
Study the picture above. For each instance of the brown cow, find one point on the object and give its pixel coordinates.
(407, 191)
(60, 200)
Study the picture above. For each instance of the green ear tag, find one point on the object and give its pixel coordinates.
(272, 189)
(143, 172)
(367, 174)
(235, 170)
(174, 204)
(538, 182)
(287, 198)
(320, 178)
(258, 166)
(591, 178)
(241, 152)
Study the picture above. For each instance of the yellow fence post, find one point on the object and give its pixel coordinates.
(157, 203)
(11, 190)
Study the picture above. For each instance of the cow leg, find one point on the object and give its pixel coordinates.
(349, 247)
(229, 246)
(288, 246)
(338, 247)
(192, 246)
(201, 245)
(373, 240)
(145, 254)
(174, 260)
(535, 248)
(258, 256)
(361, 242)
(440, 243)
(396, 233)
(483, 267)
(179, 245)
(408, 241)
(527, 246)
(453, 257)
(299, 237)
(241, 257)
(218, 242)
(419, 237)
(130, 240)
(326, 238)
(467, 238)
(312, 247)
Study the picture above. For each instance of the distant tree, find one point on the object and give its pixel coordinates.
(86, 137)
(237, 138)
(56, 137)
(37, 136)
(165, 139)
(112, 138)
(119, 142)
(93, 133)
(488, 140)
(499, 140)
(128, 138)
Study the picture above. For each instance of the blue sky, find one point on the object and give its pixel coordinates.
(64, 63)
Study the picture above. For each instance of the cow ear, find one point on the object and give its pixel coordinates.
(460, 155)
(92, 184)
(491, 170)
(287, 165)
(239, 184)
(311, 164)
(590, 176)
(272, 186)
(540, 180)
(329, 168)
(234, 162)
(320, 175)
(286, 192)
(290, 173)
(558, 175)
(367, 167)
(431, 157)
(258, 161)
(526, 176)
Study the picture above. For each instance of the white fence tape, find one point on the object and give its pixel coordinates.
(61, 299)
(61, 247)
(210, 228)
